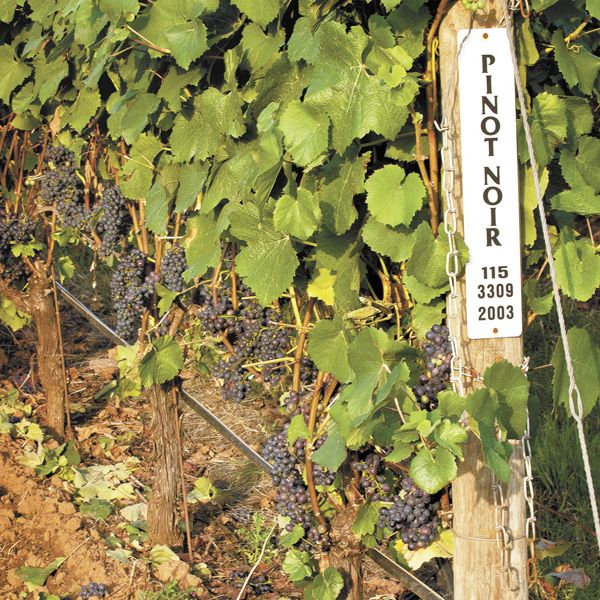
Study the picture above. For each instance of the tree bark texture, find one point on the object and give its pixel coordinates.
(347, 551)
(162, 506)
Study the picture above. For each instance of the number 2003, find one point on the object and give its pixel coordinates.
(491, 313)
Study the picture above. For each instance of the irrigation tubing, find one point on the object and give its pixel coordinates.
(415, 585)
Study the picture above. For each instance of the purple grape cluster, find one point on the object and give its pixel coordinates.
(131, 291)
(252, 332)
(437, 354)
(259, 583)
(14, 230)
(62, 186)
(292, 497)
(172, 268)
(93, 590)
(412, 513)
(113, 221)
(373, 482)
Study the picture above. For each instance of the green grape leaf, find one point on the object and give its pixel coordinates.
(167, 297)
(341, 86)
(35, 577)
(512, 387)
(83, 109)
(394, 198)
(333, 451)
(262, 12)
(297, 565)
(428, 261)
(496, 453)
(527, 49)
(192, 177)
(431, 470)
(593, 7)
(582, 169)
(451, 436)
(97, 509)
(424, 316)
(12, 72)
(322, 287)
(343, 179)
(305, 41)
(578, 65)
(268, 266)
(581, 200)
(325, 586)
(201, 243)
(11, 316)
(577, 268)
(174, 82)
(305, 132)
(48, 76)
(289, 538)
(187, 41)
(261, 49)
(328, 348)
(297, 430)
(7, 10)
(366, 519)
(540, 305)
(421, 293)
(157, 209)
(396, 243)
(299, 216)
(586, 366)
(529, 202)
(115, 8)
(131, 117)
(549, 121)
(162, 363)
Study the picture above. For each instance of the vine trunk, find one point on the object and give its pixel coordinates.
(40, 302)
(162, 506)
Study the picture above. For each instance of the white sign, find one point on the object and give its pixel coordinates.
(490, 184)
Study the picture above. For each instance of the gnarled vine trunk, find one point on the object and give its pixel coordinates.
(162, 506)
(347, 550)
(40, 303)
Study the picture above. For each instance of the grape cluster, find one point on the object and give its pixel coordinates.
(113, 220)
(131, 290)
(474, 5)
(372, 482)
(296, 403)
(259, 583)
(292, 497)
(438, 352)
(93, 590)
(413, 514)
(172, 268)
(14, 230)
(62, 186)
(251, 331)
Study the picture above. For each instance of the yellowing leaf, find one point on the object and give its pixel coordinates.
(321, 287)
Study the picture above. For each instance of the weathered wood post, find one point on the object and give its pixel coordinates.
(481, 569)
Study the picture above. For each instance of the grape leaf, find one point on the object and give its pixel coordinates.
(35, 577)
(296, 565)
(157, 209)
(297, 430)
(582, 169)
(529, 202)
(299, 216)
(578, 65)
(187, 41)
(366, 519)
(577, 268)
(431, 470)
(83, 109)
(114, 8)
(333, 451)
(305, 41)
(322, 287)
(131, 116)
(328, 348)
(581, 200)
(396, 243)
(162, 363)
(512, 387)
(341, 86)
(548, 122)
(421, 293)
(586, 366)
(540, 305)
(191, 181)
(428, 261)
(12, 73)
(393, 197)
(325, 586)
(344, 178)
(11, 316)
(262, 12)
(174, 82)
(424, 316)
(261, 49)
(201, 243)
(305, 132)
(442, 547)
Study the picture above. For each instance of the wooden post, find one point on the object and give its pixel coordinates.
(477, 559)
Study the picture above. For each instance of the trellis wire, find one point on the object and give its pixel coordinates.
(412, 583)
(575, 402)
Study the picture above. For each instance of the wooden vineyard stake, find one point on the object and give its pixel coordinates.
(481, 569)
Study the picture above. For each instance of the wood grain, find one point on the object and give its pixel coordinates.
(477, 557)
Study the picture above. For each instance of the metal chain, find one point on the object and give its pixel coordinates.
(575, 402)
